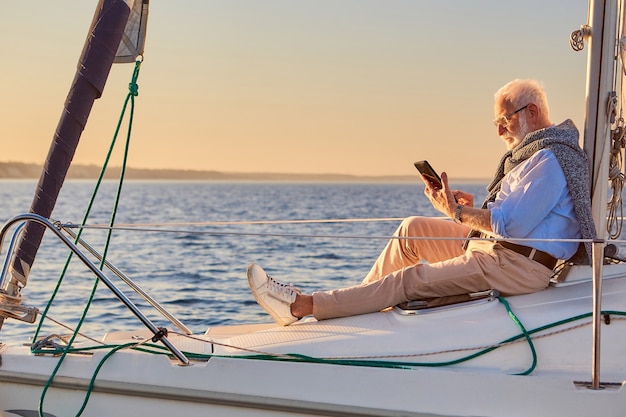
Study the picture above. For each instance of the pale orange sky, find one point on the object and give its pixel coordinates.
(357, 87)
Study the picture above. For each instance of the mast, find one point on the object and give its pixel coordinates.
(600, 90)
(94, 65)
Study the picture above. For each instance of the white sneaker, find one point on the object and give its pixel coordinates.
(274, 296)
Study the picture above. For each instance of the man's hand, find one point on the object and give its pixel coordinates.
(463, 198)
(443, 199)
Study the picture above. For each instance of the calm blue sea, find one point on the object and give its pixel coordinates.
(196, 268)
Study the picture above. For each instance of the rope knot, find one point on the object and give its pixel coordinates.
(133, 88)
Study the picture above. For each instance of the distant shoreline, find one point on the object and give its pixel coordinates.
(19, 170)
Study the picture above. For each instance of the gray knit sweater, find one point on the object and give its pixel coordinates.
(562, 140)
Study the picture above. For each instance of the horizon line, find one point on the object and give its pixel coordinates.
(25, 170)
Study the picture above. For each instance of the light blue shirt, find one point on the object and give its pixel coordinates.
(535, 203)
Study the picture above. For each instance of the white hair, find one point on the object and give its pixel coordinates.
(522, 92)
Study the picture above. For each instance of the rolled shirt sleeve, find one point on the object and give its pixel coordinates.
(534, 202)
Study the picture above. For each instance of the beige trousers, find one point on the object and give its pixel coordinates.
(410, 269)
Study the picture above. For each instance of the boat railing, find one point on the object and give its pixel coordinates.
(10, 249)
(8, 306)
(58, 231)
(181, 326)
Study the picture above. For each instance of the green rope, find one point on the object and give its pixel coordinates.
(409, 365)
(524, 332)
(95, 374)
(133, 91)
(295, 357)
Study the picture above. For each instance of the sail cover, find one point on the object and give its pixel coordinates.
(134, 37)
(117, 34)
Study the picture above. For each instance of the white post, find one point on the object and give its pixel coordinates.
(598, 259)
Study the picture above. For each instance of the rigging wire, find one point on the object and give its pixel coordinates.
(247, 222)
(322, 236)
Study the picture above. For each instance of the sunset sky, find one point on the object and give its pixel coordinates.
(361, 87)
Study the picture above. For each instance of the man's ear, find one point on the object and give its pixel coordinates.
(533, 112)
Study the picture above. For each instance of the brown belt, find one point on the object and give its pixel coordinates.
(536, 255)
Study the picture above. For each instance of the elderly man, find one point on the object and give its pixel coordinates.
(540, 191)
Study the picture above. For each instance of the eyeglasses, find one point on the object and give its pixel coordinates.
(505, 119)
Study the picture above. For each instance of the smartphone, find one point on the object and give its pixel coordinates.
(427, 170)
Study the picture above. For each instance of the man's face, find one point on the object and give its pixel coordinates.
(511, 123)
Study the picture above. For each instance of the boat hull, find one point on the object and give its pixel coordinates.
(239, 377)
(230, 387)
